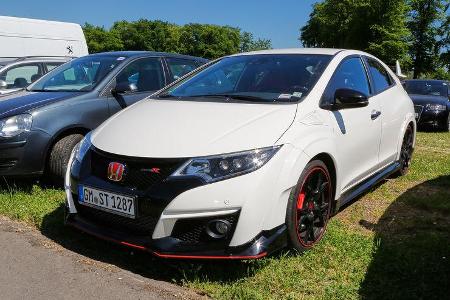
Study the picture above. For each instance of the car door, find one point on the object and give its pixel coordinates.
(145, 74)
(386, 92)
(357, 130)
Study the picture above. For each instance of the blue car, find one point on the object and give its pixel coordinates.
(41, 125)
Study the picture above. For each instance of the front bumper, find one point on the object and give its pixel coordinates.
(23, 155)
(433, 119)
(172, 214)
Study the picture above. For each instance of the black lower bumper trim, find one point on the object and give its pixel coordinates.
(262, 245)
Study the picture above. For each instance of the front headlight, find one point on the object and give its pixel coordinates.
(220, 167)
(14, 126)
(436, 107)
(82, 147)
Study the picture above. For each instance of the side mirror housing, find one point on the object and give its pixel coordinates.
(124, 88)
(3, 85)
(348, 98)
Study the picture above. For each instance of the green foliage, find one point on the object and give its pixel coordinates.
(376, 26)
(99, 40)
(249, 43)
(204, 40)
(429, 27)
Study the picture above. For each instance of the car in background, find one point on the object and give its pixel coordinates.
(431, 100)
(18, 73)
(244, 156)
(41, 125)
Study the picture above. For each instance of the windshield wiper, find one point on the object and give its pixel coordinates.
(232, 96)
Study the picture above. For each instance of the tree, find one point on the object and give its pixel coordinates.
(375, 26)
(100, 40)
(209, 41)
(429, 27)
(249, 43)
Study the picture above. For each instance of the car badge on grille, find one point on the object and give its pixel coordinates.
(116, 171)
(152, 170)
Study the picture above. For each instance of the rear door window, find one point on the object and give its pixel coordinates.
(380, 76)
(180, 67)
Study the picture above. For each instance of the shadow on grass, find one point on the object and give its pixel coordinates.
(141, 262)
(412, 246)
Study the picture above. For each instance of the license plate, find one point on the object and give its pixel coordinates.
(111, 202)
(417, 115)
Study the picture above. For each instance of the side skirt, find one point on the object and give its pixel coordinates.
(366, 185)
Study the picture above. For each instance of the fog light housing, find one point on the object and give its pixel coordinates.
(218, 229)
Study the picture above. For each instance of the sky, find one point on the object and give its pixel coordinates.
(278, 21)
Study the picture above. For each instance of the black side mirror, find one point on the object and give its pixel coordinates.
(124, 88)
(347, 98)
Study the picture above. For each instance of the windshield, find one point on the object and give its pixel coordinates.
(431, 88)
(261, 78)
(81, 74)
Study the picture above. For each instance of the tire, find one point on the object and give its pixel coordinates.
(60, 155)
(406, 152)
(309, 206)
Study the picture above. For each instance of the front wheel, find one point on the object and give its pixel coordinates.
(60, 155)
(309, 206)
(406, 152)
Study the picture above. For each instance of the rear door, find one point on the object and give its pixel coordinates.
(357, 130)
(147, 74)
(392, 116)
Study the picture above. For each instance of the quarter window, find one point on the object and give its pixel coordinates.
(380, 77)
(146, 73)
(350, 74)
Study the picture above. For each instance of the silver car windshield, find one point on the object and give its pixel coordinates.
(260, 78)
(80, 75)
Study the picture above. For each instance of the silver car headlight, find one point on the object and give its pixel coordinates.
(82, 148)
(224, 166)
(436, 107)
(15, 125)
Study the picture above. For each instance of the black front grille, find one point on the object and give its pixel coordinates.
(143, 225)
(140, 174)
(193, 231)
(7, 164)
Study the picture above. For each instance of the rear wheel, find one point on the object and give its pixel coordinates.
(309, 206)
(60, 155)
(406, 151)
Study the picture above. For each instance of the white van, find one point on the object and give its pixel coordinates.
(30, 48)
(21, 37)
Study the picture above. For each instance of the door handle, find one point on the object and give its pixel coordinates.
(375, 114)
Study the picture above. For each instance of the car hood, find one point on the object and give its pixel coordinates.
(171, 128)
(21, 102)
(427, 99)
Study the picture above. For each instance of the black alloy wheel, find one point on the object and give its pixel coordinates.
(309, 207)
(406, 151)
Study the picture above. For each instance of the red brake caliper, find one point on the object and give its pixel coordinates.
(300, 200)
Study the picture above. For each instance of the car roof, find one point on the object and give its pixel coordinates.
(150, 53)
(9, 60)
(323, 51)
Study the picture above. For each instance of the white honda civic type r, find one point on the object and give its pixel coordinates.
(244, 156)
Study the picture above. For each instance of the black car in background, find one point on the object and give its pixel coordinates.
(431, 100)
(40, 126)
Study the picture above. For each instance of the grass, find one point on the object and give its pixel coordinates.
(393, 243)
